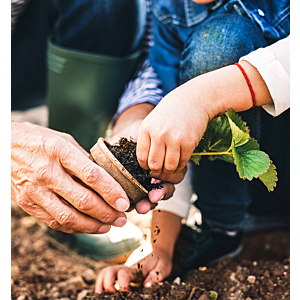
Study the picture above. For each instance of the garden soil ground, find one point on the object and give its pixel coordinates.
(44, 268)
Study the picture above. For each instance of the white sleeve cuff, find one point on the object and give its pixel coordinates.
(179, 204)
(273, 64)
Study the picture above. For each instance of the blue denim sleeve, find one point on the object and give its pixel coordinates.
(165, 54)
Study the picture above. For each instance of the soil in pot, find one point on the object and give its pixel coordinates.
(125, 152)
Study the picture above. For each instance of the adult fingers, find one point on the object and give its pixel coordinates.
(63, 216)
(88, 202)
(38, 212)
(96, 178)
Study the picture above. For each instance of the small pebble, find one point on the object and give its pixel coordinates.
(251, 279)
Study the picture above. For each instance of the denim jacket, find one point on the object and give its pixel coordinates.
(175, 20)
(272, 16)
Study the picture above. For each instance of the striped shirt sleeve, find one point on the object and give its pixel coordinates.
(145, 85)
(17, 8)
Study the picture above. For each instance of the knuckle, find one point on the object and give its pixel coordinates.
(66, 218)
(145, 127)
(182, 163)
(24, 203)
(141, 157)
(53, 224)
(90, 228)
(55, 149)
(83, 202)
(43, 173)
(90, 174)
(154, 165)
(169, 168)
(107, 217)
(68, 136)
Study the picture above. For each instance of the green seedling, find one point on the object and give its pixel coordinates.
(213, 295)
(227, 138)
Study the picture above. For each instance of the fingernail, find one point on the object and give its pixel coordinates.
(154, 174)
(119, 222)
(148, 284)
(122, 204)
(104, 228)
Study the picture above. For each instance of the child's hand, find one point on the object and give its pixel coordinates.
(169, 134)
(153, 268)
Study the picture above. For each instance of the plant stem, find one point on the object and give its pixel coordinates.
(212, 153)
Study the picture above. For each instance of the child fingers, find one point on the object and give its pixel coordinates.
(185, 155)
(156, 158)
(131, 274)
(108, 279)
(159, 273)
(99, 283)
(142, 149)
(154, 276)
(143, 206)
(163, 193)
(172, 159)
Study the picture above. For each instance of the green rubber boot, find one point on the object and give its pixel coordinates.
(114, 246)
(84, 89)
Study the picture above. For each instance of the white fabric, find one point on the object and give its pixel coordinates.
(273, 63)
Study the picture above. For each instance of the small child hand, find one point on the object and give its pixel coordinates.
(153, 268)
(170, 133)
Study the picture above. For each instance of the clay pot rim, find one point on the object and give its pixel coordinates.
(102, 142)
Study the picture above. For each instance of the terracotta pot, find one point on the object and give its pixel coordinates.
(105, 159)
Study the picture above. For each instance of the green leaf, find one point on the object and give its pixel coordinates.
(237, 120)
(225, 157)
(252, 144)
(239, 136)
(217, 137)
(250, 163)
(269, 178)
(196, 159)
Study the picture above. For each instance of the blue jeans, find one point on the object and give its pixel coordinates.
(107, 27)
(192, 39)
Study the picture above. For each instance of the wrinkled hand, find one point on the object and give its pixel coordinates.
(170, 133)
(153, 268)
(44, 163)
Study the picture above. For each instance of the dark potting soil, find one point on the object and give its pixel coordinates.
(125, 152)
(44, 269)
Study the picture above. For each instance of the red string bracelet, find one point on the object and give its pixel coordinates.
(249, 84)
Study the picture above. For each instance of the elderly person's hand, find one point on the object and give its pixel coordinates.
(127, 125)
(47, 170)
